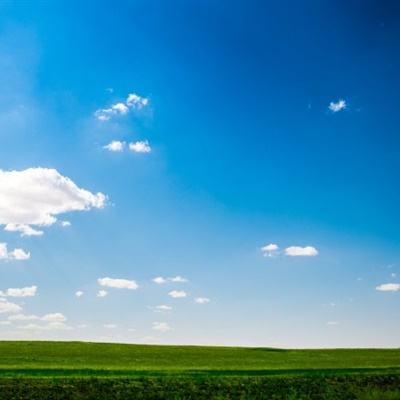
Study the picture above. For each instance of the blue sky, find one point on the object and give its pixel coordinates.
(251, 124)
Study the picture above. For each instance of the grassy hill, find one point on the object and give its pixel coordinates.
(87, 370)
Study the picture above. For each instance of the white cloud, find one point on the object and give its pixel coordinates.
(176, 279)
(159, 280)
(133, 102)
(176, 294)
(5, 323)
(79, 293)
(295, 251)
(338, 106)
(65, 224)
(54, 317)
(29, 291)
(110, 326)
(202, 300)
(161, 327)
(16, 254)
(25, 230)
(51, 326)
(136, 101)
(35, 196)
(389, 287)
(270, 250)
(102, 293)
(115, 145)
(22, 317)
(140, 147)
(8, 307)
(118, 283)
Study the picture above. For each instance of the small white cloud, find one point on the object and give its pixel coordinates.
(110, 326)
(25, 230)
(338, 106)
(298, 251)
(176, 294)
(65, 224)
(136, 101)
(102, 293)
(159, 280)
(22, 317)
(20, 292)
(161, 327)
(270, 250)
(16, 254)
(389, 287)
(202, 300)
(118, 283)
(8, 307)
(54, 317)
(332, 323)
(79, 293)
(115, 145)
(140, 147)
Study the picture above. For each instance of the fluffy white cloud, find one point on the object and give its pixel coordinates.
(65, 224)
(202, 300)
(161, 327)
(389, 287)
(178, 279)
(16, 254)
(176, 294)
(140, 147)
(118, 283)
(22, 317)
(25, 230)
(115, 145)
(79, 293)
(35, 196)
(338, 106)
(102, 293)
(8, 307)
(29, 291)
(295, 251)
(54, 317)
(133, 102)
(270, 250)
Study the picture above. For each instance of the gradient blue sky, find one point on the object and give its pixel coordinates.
(245, 152)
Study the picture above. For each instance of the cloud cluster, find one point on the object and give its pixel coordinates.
(35, 196)
(8, 307)
(16, 254)
(118, 283)
(272, 250)
(141, 146)
(133, 102)
(338, 106)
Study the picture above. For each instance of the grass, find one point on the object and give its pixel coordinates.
(88, 370)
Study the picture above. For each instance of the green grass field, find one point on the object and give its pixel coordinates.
(86, 370)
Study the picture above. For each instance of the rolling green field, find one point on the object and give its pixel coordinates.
(89, 370)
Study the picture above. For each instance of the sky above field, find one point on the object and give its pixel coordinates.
(200, 172)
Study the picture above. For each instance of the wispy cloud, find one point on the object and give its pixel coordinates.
(177, 294)
(161, 327)
(174, 279)
(270, 250)
(102, 293)
(202, 300)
